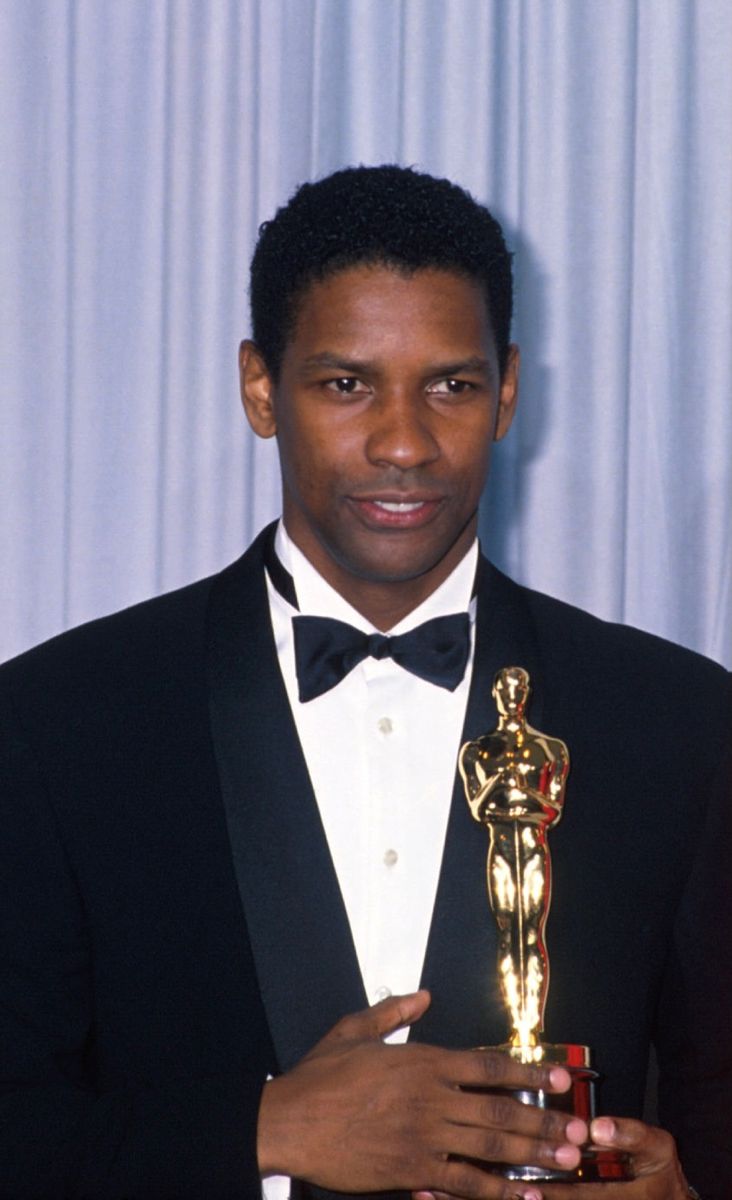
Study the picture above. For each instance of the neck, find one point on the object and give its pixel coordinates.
(385, 605)
(510, 721)
(383, 602)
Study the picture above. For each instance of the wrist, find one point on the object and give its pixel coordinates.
(265, 1139)
(276, 1141)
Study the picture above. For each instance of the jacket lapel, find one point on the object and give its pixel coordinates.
(303, 951)
(460, 962)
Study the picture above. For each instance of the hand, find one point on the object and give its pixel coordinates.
(358, 1115)
(657, 1170)
(658, 1174)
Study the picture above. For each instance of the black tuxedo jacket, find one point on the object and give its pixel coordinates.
(172, 926)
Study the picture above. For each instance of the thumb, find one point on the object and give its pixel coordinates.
(397, 1011)
(652, 1149)
(383, 1018)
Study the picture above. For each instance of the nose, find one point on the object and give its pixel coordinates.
(401, 434)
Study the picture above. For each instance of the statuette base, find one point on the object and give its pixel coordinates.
(597, 1165)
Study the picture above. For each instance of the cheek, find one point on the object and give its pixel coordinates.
(309, 471)
(328, 452)
(471, 459)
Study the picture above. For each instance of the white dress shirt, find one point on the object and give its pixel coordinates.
(381, 750)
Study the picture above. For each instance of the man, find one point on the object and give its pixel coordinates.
(221, 848)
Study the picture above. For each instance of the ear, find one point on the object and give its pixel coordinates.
(508, 394)
(257, 390)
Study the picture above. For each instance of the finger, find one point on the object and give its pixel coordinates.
(504, 1146)
(651, 1149)
(512, 1190)
(496, 1069)
(383, 1018)
(530, 1192)
(525, 1192)
(499, 1111)
(463, 1181)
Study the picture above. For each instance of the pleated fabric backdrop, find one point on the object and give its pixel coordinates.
(142, 142)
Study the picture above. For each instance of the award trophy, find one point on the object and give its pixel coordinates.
(514, 781)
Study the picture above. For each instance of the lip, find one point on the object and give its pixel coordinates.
(421, 511)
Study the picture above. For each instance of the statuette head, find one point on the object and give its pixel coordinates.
(511, 691)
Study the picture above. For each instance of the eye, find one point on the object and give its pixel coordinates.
(345, 385)
(451, 387)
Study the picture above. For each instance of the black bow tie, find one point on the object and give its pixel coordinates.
(326, 649)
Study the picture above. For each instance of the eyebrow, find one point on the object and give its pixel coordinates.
(464, 364)
(336, 363)
(358, 366)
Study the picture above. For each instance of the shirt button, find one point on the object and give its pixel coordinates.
(381, 993)
(385, 725)
(390, 858)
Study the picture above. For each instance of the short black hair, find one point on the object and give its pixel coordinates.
(389, 215)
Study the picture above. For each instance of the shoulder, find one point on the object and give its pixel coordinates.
(122, 641)
(618, 651)
(630, 677)
(171, 623)
(107, 685)
(579, 639)
(152, 651)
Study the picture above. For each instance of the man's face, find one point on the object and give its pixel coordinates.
(388, 401)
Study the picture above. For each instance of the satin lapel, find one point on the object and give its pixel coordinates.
(303, 951)
(460, 962)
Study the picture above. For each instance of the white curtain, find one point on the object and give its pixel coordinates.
(142, 142)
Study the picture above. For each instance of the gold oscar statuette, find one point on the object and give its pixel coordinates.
(515, 779)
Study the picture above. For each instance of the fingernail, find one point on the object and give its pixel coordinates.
(532, 1194)
(603, 1130)
(567, 1156)
(577, 1132)
(559, 1079)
